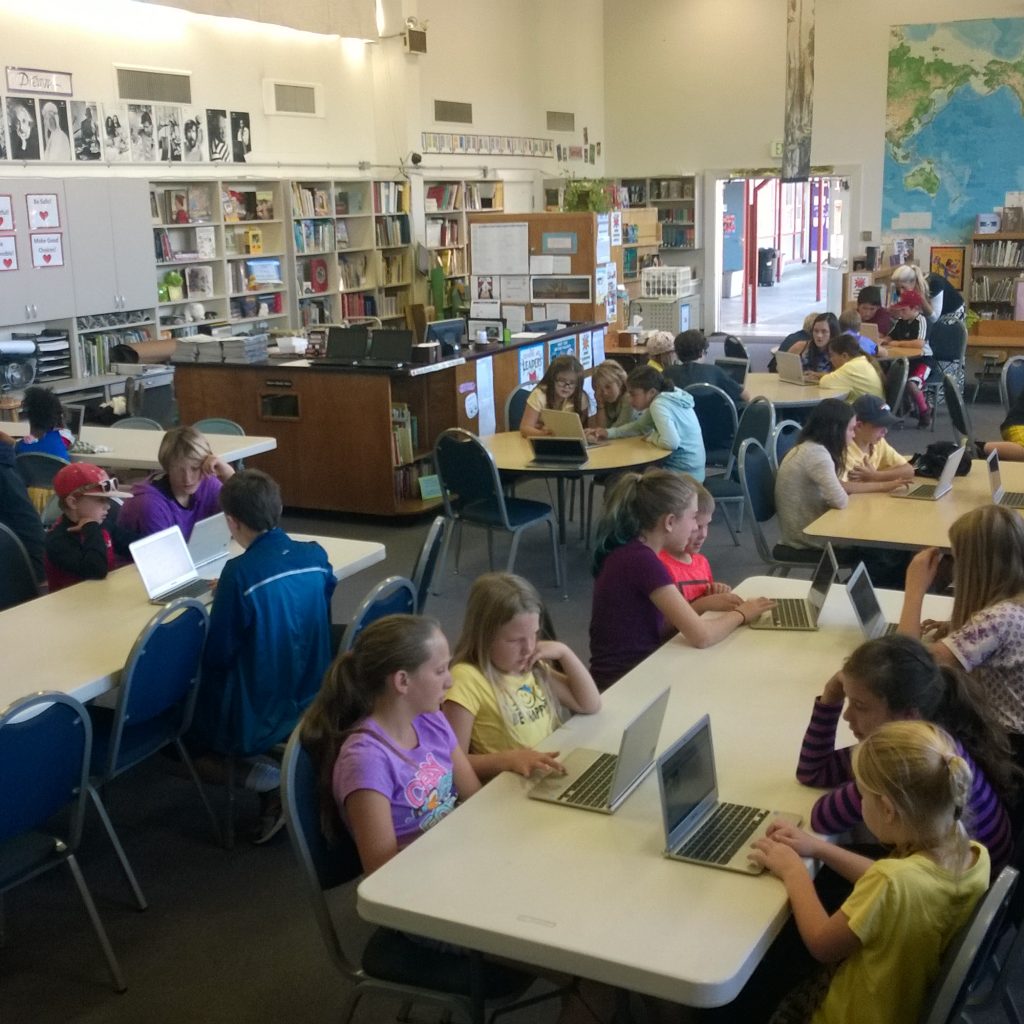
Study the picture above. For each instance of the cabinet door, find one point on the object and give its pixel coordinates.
(133, 242)
(92, 244)
(50, 287)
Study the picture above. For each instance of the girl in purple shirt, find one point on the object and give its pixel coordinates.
(896, 678)
(636, 605)
(390, 764)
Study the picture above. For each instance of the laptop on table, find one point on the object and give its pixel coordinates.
(346, 346)
(932, 492)
(791, 369)
(210, 545)
(802, 612)
(866, 608)
(389, 349)
(737, 369)
(166, 568)
(698, 827)
(1000, 496)
(565, 423)
(601, 782)
(557, 452)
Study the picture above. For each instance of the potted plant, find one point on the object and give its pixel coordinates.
(586, 194)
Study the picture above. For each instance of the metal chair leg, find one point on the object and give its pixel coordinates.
(728, 523)
(513, 549)
(122, 857)
(229, 813)
(217, 837)
(97, 925)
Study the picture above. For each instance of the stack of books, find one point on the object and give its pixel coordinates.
(247, 348)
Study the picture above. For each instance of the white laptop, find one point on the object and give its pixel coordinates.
(932, 492)
(210, 545)
(1000, 496)
(791, 369)
(865, 605)
(698, 827)
(802, 612)
(601, 782)
(166, 568)
(566, 423)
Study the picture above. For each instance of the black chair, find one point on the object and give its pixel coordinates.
(949, 353)
(735, 349)
(389, 963)
(716, 413)
(155, 701)
(783, 439)
(896, 385)
(472, 496)
(958, 414)
(515, 406)
(45, 744)
(992, 364)
(426, 562)
(968, 951)
(38, 470)
(395, 595)
(1011, 381)
(17, 580)
(758, 482)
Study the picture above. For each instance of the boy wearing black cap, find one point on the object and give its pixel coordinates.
(872, 464)
(79, 547)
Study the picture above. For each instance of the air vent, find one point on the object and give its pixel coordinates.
(560, 121)
(449, 110)
(298, 99)
(156, 86)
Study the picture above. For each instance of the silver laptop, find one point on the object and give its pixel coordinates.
(865, 605)
(698, 827)
(601, 782)
(166, 568)
(932, 492)
(210, 545)
(791, 369)
(870, 331)
(802, 612)
(566, 423)
(1000, 496)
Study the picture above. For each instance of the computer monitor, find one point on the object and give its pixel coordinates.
(450, 333)
(540, 326)
(266, 271)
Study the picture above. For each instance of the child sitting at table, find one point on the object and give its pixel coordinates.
(908, 337)
(888, 937)
(891, 679)
(814, 353)
(507, 693)
(870, 458)
(660, 348)
(1011, 430)
(45, 417)
(851, 370)
(560, 388)
(667, 417)
(689, 569)
(850, 323)
(613, 407)
(78, 546)
(872, 311)
(636, 606)
(985, 633)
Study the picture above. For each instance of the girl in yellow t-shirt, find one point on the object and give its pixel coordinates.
(506, 695)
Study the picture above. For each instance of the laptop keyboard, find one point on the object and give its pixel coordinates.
(720, 836)
(923, 490)
(790, 612)
(1015, 499)
(194, 589)
(594, 786)
(890, 628)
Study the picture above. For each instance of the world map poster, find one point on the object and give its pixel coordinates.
(954, 126)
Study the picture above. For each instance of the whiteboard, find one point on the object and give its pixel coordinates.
(500, 248)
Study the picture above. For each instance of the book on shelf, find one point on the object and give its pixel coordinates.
(391, 231)
(264, 204)
(353, 271)
(199, 282)
(442, 196)
(401, 433)
(358, 304)
(206, 243)
(341, 231)
(391, 197)
(200, 208)
(313, 236)
(393, 269)
(176, 206)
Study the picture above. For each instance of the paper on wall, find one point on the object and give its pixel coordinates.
(500, 248)
(561, 264)
(616, 227)
(531, 364)
(597, 345)
(485, 286)
(485, 309)
(600, 284)
(557, 311)
(485, 395)
(542, 265)
(604, 238)
(515, 288)
(515, 317)
(586, 351)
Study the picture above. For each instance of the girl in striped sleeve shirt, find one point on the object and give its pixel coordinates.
(896, 678)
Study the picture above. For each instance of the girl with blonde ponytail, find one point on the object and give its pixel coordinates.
(888, 937)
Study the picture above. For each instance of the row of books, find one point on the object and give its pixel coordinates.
(453, 261)
(96, 348)
(358, 304)
(484, 197)
(407, 480)
(389, 307)
(192, 205)
(993, 289)
(354, 271)
(676, 236)
(391, 197)
(447, 231)
(404, 434)
(392, 231)
(248, 307)
(443, 196)
(998, 254)
(310, 201)
(393, 270)
(313, 236)
(182, 246)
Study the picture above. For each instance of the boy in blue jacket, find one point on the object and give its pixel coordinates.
(270, 640)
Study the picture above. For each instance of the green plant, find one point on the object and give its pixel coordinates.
(583, 194)
(972, 318)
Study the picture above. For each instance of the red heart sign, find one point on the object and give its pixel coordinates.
(46, 257)
(8, 261)
(1, 218)
(43, 214)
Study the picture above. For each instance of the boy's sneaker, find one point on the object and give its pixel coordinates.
(924, 419)
(271, 820)
(264, 776)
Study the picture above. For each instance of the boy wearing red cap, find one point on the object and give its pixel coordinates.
(908, 337)
(79, 547)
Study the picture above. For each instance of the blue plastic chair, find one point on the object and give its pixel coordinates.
(159, 684)
(783, 439)
(45, 743)
(17, 579)
(515, 406)
(472, 496)
(395, 595)
(37, 470)
(136, 423)
(426, 562)
(390, 963)
(716, 413)
(1011, 381)
(219, 425)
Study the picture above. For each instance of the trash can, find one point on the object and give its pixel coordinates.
(766, 267)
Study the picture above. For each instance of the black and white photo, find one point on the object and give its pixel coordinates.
(241, 137)
(116, 144)
(217, 134)
(193, 136)
(23, 127)
(141, 132)
(168, 133)
(56, 141)
(85, 130)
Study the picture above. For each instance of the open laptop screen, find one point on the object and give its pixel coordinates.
(688, 775)
(346, 342)
(162, 560)
(395, 346)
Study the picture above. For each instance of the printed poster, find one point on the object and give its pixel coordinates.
(8, 253)
(561, 347)
(515, 288)
(597, 345)
(7, 214)
(604, 238)
(586, 354)
(47, 250)
(485, 395)
(616, 227)
(531, 364)
(43, 211)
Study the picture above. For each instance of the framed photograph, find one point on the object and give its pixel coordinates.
(1012, 219)
(8, 253)
(85, 129)
(571, 288)
(141, 133)
(241, 136)
(948, 261)
(492, 328)
(217, 135)
(23, 128)
(47, 249)
(43, 211)
(6, 213)
(53, 114)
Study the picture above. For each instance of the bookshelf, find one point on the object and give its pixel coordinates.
(446, 207)
(995, 266)
(677, 198)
